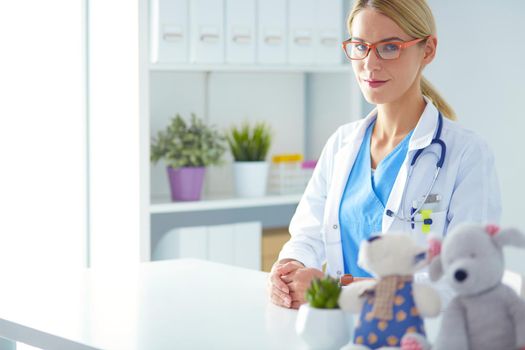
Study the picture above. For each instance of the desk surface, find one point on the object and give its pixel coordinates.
(183, 304)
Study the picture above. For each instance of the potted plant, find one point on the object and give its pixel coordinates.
(187, 151)
(249, 147)
(320, 322)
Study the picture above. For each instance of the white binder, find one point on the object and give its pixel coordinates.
(207, 31)
(240, 31)
(169, 31)
(329, 32)
(302, 22)
(272, 31)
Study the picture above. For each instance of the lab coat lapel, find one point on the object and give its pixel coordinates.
(343, 162)
(421, 138)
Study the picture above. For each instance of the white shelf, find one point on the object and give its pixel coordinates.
(161, 205)
(252, 68)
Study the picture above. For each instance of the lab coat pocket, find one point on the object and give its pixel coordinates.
(423, 227)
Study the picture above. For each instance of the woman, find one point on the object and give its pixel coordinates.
(364, 182)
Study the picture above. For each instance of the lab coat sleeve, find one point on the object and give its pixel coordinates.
(306, 243)
(476, 194)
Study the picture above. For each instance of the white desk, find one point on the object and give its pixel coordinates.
(182, 304)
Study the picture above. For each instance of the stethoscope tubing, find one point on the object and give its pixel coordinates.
(439, 164)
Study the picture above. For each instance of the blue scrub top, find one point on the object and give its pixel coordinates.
(365, 197)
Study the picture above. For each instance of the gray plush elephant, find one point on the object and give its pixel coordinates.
(485, 314)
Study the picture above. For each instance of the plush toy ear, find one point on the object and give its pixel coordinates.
(509, 237)
(434, 247)
(435, 269)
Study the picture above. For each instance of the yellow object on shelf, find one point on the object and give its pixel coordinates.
(287, 175)
(286, 158)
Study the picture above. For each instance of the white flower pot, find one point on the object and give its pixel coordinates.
(250, 178)
(323, 328)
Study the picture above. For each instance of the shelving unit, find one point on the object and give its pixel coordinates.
(304, 103)
(164, 205)
(341, 68)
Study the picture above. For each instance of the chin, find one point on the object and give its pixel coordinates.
(379, 97)
(375, 98)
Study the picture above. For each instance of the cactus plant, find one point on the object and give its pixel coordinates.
(324, 293)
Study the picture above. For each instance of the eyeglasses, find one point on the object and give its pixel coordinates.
(390, 50)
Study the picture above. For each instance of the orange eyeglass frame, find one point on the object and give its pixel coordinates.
(400, 44)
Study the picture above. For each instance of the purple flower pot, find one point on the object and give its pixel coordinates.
(186, 183)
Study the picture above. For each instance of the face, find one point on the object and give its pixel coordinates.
(471, 262)
(388, 255)
(400, 76)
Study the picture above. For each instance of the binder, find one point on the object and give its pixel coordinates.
(301, 29)
(169, 31)
(240, 31)
(272, 31)
(207, 31)
(329, 32)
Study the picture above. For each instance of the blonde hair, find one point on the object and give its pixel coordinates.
(415, 18)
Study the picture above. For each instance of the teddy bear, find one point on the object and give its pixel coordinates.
(485, 314)
(391, 306)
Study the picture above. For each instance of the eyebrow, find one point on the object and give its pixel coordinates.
(381, 41)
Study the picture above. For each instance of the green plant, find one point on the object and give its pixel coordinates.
(193, 145)
(249, 144)
(323, 293)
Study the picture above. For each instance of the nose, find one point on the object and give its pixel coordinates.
(371, 239)
(372, 61)
(460, 275)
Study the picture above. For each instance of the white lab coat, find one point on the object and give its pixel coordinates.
(467, 183)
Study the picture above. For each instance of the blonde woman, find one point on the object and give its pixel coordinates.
(407, 166)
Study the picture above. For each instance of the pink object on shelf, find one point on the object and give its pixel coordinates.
(309, 164)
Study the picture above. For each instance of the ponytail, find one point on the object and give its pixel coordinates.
(429, 91)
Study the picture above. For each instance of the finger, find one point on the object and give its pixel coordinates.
(279, 284)
(287, 268)
(295, 304)
(276, 299)
(284, 296)
(298, 296)
(287, 278)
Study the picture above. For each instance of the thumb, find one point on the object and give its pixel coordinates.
(288, 267)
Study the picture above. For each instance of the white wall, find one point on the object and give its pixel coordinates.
(480, 71)
(42, 135)
(117, 202)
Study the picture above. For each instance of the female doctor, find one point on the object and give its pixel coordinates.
(406, 167)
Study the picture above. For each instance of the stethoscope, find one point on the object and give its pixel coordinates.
(439, 164)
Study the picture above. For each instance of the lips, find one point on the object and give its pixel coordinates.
(373, 83)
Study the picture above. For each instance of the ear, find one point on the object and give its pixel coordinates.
(434, 247)
(509, 237)
(430, 50)
(435, 269)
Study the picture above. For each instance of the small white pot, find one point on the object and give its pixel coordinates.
(323, 328)
(250, 178)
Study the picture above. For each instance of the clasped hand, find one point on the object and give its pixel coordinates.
(288, 282)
